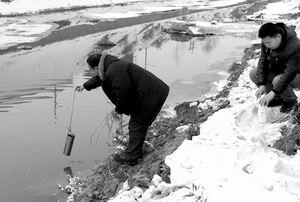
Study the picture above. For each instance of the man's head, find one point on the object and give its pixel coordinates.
(93, 61)
(270, 35)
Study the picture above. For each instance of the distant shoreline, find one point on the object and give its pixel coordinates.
(72, 32)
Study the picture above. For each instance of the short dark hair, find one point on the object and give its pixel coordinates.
(268, 29)
(93, 60)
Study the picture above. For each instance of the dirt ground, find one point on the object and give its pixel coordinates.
(289, 143)
(163, 138)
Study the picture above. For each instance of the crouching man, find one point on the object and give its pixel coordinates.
(277, 72)
(134, 91)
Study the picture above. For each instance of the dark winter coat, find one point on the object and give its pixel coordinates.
(283, 60)
(133, 90)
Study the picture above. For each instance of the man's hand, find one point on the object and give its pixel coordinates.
(261, 90)
(79, 88)
(265, 100)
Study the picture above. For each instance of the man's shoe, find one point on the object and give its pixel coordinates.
(126, 158)
(287, 106)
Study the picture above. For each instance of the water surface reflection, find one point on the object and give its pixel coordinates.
(191, 67)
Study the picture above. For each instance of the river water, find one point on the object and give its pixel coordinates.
(37, 91)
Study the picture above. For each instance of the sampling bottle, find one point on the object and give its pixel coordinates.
(262, 114)
(69, 143)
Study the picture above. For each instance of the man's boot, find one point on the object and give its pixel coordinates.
(134, 150)
(126, 158)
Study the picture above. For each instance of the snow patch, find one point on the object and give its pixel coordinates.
(112, 16)
(273, 11)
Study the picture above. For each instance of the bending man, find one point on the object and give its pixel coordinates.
(134, 91)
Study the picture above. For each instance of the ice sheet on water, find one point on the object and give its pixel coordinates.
(20, 31)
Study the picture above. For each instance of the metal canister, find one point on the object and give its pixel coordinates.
(69, 144)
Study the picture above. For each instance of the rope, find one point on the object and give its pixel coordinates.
(281, 119)
(70, 126)
(96, 130)
(109, 121)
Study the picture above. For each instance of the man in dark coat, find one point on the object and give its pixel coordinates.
(277, 72)
(134, 91)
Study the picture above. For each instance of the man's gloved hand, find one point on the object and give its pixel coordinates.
(261, 90)
(79, 88)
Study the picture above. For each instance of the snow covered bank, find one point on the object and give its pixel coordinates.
(32, 6)
(276, 11)
(231, 159)
(128, 14)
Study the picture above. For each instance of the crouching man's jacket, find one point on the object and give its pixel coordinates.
(133, 90)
